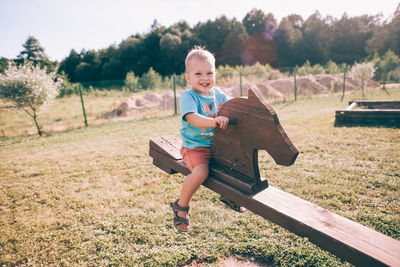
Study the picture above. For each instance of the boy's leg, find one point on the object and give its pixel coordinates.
(190, 184)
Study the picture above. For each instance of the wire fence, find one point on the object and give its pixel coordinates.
(177, 82)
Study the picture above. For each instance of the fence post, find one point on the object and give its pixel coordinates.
(174, 86)
(240, 75)
(344, 82)
(384, 82)
(295, 86)
(83, 105)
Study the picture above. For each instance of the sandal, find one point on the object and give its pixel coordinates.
(177, 219)
(232, 205)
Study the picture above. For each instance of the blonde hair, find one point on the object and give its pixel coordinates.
(201, 53)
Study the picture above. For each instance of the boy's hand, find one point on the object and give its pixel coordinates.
(222, 121)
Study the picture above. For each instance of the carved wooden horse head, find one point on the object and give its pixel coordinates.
(257, 127)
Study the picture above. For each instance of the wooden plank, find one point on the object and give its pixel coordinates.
(370, 114)
(168, 145)
(383, 117)
(169, 162)
(351, 106)
(236, 179)
(378, 104)
(366, 112)
(161, 164)
(346, 239)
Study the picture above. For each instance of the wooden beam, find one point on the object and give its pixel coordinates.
(351, 106)
(342, 237)
(371, 113)
(346, 239)
(368, 117)
(378, 104)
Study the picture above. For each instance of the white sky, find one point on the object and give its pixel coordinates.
(95, 24)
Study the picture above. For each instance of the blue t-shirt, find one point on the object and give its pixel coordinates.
(208, 106)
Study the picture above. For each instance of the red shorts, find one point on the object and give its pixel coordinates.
(196, 156)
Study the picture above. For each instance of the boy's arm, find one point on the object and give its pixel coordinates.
(201, 121)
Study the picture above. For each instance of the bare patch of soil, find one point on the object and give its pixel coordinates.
(230, 262)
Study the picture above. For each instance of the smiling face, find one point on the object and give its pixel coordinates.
(200, 73)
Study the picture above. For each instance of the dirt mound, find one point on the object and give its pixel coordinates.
(265, 89)
(167, 101)
(281, 88)
(139, 103)
(330, 81)
(272, 90)
(285, 86)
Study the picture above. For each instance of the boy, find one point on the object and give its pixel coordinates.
(199, 108)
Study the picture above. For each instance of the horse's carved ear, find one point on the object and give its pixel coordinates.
(256, 99)
(254, 93)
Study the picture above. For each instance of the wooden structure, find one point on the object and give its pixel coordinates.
(234, 174)
(369, 112)
(235, 150)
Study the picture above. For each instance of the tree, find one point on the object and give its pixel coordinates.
(231, 49)
(389, 63)
(349, 38)
(174, 45)
(362, 72)
(131, 82)
(213, 34)
(173, 57)
(257, 49)
(105, 57)
(149, 51)
(332, 68)
(386, 36)
(3, 64)
(150, 80)
(290, 41)
(29, 87)
(255, 21)
(260, 46)
(126, 58)
(308, 69)
(89, 68)
(69, 64)
(316, 39)
(35, 53)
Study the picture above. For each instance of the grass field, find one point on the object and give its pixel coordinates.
(64, 112)
(91, 196)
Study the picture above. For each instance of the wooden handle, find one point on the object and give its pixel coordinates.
(231, 122)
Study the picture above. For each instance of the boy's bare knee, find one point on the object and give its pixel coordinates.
(201, 171)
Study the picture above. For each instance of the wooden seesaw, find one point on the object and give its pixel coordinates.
(235, 175)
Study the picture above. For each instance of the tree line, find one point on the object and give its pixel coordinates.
(257, 38)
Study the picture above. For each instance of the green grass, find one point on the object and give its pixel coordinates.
(91, 196)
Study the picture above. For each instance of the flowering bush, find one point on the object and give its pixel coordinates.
(362, 72)
(29, 87)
